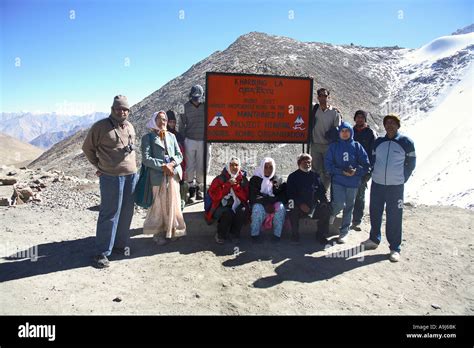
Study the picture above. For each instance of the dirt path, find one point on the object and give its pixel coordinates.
(196, 276)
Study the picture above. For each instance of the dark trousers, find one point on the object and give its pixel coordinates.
(359, 204)
(230, 222)
(321, 213)
(392, 197)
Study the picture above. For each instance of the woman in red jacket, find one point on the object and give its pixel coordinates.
(229, 193)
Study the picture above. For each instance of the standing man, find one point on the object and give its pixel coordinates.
(193, 121)
(366, 137)
(110, 147)
(394, 162)
(325, 117)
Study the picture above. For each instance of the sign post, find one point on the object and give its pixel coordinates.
(248, 108)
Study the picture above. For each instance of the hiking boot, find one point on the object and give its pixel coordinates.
(218, 239)
(394, 256)
(101, 261)
(369, 244)
(356, 227)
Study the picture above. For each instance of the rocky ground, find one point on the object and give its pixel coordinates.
(47, 247)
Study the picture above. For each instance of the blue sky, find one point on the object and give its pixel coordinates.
(52, 58)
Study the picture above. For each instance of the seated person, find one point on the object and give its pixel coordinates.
(307, 198)
(267, 199)
(229, 193)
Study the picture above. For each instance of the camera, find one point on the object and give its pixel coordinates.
(129, 148)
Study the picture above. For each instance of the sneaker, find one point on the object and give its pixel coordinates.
(342, 239)
(101, 261)
(257, 239)
(218, 239)
(394, 256)
(356, 227)
(332, 218)
(160, 240)
(369, 244)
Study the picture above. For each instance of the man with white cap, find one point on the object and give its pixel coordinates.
(194, 123)
(110, 147)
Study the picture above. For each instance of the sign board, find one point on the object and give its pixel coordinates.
(258, 108)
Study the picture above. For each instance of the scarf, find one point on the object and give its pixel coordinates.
(151, 124)
(232, 192)
(267, 185)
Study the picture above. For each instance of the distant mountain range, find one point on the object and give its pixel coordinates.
(45, 129)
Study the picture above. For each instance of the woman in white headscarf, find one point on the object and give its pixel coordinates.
(267, 199)
(229, 193)
(161, 153)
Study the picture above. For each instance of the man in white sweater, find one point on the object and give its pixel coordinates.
(324, 118)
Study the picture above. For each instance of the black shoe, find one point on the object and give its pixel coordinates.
(199, 196)
(257, 239)
(275, 239)
(101, 261)
(322, 240)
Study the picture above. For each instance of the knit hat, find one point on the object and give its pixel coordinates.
(394, 117)
(121, 101)
(361, 112)
(171, 115)
(196, 91)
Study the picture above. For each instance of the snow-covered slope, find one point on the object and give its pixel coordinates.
(441, 73)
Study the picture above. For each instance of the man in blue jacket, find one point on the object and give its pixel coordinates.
(395, 160)
(346, 161)
(366, 137)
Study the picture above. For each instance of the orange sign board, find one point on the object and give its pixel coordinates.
(257, 108)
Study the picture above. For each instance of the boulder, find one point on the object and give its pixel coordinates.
(8, 181)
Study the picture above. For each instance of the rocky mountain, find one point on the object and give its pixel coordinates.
(354, 75)
(411, 82)
(39, 128)
(466, 30)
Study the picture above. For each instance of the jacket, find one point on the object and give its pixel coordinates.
(344, 154)
(220, 187)
(305, 187)
(279, 191)
(366, 137)
(395, 160)
(153, 155)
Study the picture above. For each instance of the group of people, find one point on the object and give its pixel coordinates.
(343, 159)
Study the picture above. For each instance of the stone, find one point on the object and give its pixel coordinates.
(4, 202)
(11, 173)
(8, 181)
